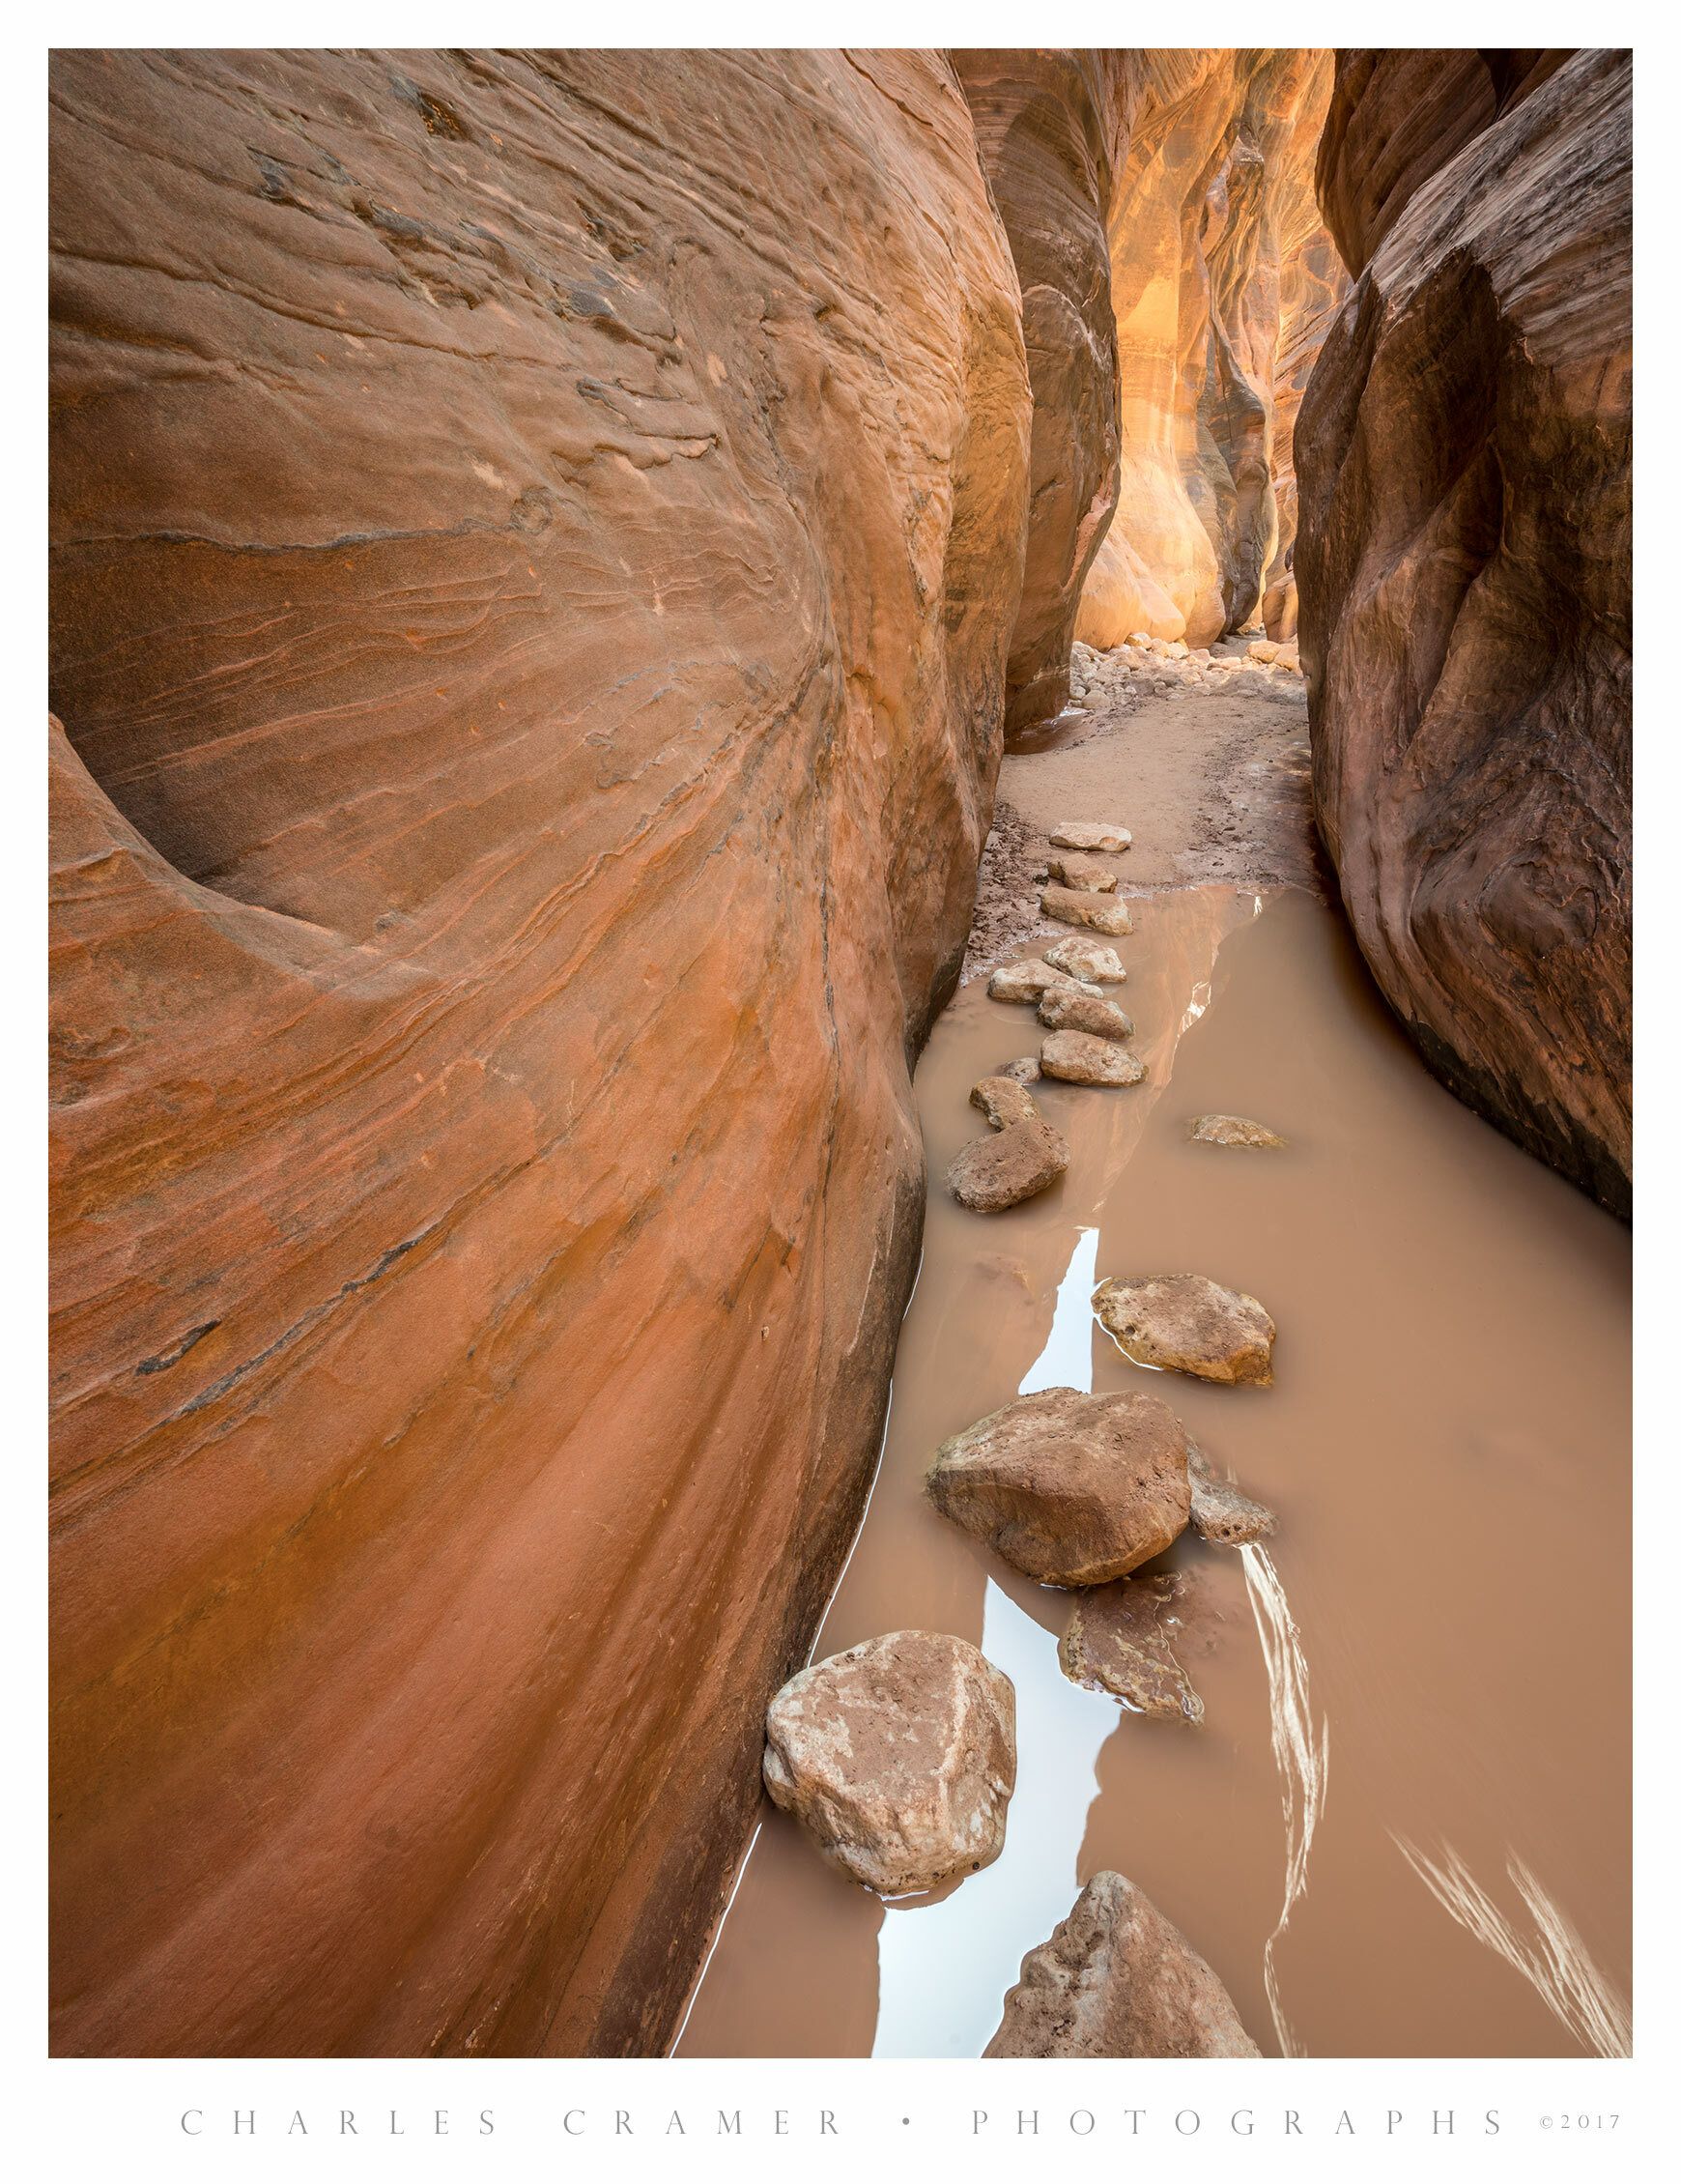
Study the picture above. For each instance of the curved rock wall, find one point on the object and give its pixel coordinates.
(1464, 456)
(535, 542)
(1211, 218)
(1046, 122)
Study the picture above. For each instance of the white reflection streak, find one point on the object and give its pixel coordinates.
(1303, 1766)
(1560, 1969)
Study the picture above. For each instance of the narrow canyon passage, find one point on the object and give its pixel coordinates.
(1442, 1446)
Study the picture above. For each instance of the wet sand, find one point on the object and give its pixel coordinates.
(1446, 1445)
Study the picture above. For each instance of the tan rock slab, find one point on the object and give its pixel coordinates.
(1025, 1070)
(1104, 913)
(1091, 961)
(1026, 981)
(1235, 1130)
(1069, 1488)
(1186, 1323)
(1090, 874)
(897, 1757)
(1118, 1639)
(1064, 1008)
(1078, 1058)
(1116, 1979)
(1220, 1513)
(1263, 649)
(1090, 834)
(992, 1174)
(1002, 1102)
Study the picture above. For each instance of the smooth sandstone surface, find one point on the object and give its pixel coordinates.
(535, 538)
(1116, 1979)
(1186, 1323)
(1092, 835)
(1076, 906)
(1464, 456)
(1068, 1009)
(1091, 875)
(1046, 124)
(1070, 1489)
(1118, 1639)
(898, 1758)
(1079, 1058)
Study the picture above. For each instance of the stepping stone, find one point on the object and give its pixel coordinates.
(1078, 1058)
(1186, 1323)
(897, 1757)
(1116, 1979)
(1087, 961)
(1063, 1008)
(1220, 1515)
(992, 1174)
(1119, 1640)
(1091, 834)
(1234, 1130)
(1002, 1102)
(1025, 1070)
(1070, 1489)
(1026, 981)
(1104, 913)
(1090, 874)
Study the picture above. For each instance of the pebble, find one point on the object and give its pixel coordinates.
(1235, 1130)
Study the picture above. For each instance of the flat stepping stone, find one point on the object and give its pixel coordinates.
(992, 1174)
(1116, 1979)
(1079, 1058)
(1234, 1130)
(1103, 913)
(1070, 1489)
(1219, 1513)
(1092, 962)
(897, 1757)
(1024, 1071)
(1027, 980)
(1090, 874)
(1186, 1323)
(1119, 1640)
(1069, 1008)
(1091, 834)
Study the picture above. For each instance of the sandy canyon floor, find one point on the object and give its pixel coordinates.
(1420, 1686)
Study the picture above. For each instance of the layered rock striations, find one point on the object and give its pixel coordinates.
(1046, 122)
(536, 540)
(1211, 218)
(1463, 454)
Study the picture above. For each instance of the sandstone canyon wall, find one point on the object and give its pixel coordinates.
(1464, 453)
(1220, 275)
(1049, 124)
(536, 543)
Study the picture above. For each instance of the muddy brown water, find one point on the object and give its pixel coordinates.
(1447, 1444)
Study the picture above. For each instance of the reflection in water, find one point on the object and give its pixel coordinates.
(1302, 1764)
(1066, 1361)
(1560, 1971)
(948, 1963)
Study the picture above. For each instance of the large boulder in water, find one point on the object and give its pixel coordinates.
(1464, 461)
(1116, 1978)
(898, 1758)
(536, 537)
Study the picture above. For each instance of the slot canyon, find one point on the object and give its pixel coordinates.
(612, 615)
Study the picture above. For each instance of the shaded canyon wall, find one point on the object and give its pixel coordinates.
(1464, 453)
(535, 544)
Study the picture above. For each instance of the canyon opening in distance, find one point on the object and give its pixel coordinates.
(840, 1052)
